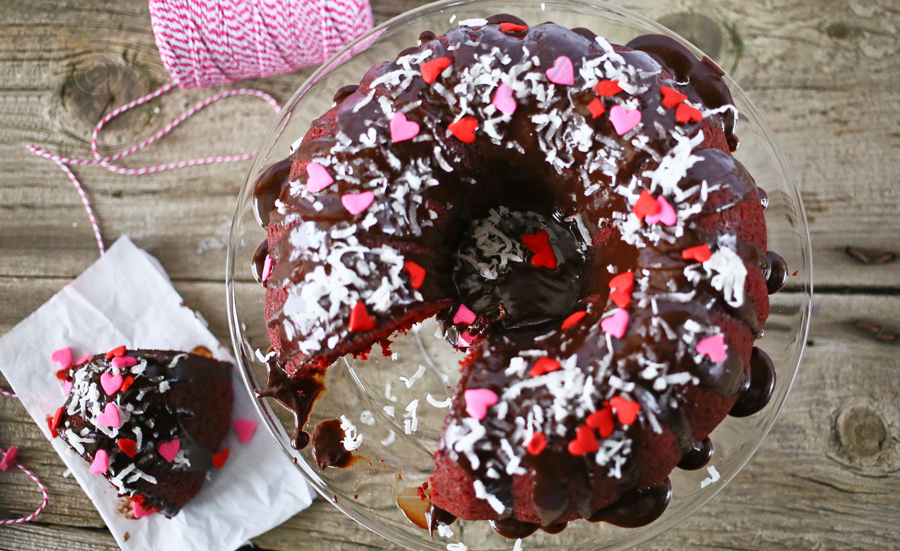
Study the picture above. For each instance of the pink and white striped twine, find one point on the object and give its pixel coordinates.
(211, 42)
(207, 43)
(8, 460)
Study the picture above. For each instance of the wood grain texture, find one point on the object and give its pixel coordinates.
(824, 72)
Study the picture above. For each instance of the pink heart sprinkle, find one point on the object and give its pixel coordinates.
(170, 449)
(140, 512)
(110, 416)
(63, 357)
(111, 384)
(101, 462)
(267, 268)
(245, 430)
(665, 214)
(83, 359)
(714, 347)
(123, 361)
(464, 315)
(562, 72)
(615, 324)
(623, 120)
(503, 99)
(9, 459)
(357, 202)
(478, 400)
(464, 340)
(67, 388)
(319, 178)
(402, 129)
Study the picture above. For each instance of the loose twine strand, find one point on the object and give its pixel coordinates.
(40, 485)
(106, 161)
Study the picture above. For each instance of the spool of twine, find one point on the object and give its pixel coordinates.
(207, 43)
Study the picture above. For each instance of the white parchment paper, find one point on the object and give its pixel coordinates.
(126, 298)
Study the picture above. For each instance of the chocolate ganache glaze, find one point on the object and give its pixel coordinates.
(571, 211)
(157, 416)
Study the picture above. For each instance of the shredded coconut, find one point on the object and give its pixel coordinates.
(713, 477)
(352, 441)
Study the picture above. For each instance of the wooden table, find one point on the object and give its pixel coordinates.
(825, 72)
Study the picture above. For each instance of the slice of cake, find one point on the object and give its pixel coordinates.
(150, 421)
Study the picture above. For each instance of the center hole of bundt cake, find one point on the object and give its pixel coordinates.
(517, 268)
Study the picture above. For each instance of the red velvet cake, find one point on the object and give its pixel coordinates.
(149, 421)
(571, 211)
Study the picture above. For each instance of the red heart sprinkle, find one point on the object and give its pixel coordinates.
(360, 320)
(545, 258)
(622, 285)
(620, 298)
(700, 253)
(602, 420)
(61, 374)
(606, 88)
(646, 205)
(54, 423)
(623, 282)
(537, 444)
(126, 384)
(464, 129)
(596, 107)
(585, 441)
(626, 410)
(128, 446)
(573, 319)
(431, 69)
(671, 97)
(220, 458)
(536, 242)
(513, 27)
(416, 274)
(686, 113)
(543, 366)
(115, 352)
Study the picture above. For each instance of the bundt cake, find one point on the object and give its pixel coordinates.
(149, 421)
(571, 211)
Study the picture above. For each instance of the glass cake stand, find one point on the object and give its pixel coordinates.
(379, 489)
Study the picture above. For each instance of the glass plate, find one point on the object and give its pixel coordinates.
(389, 468)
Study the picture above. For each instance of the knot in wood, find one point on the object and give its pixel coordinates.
(95, 85)
(861, 434)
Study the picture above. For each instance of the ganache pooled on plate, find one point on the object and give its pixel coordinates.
(150, 421)
(571, 211)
